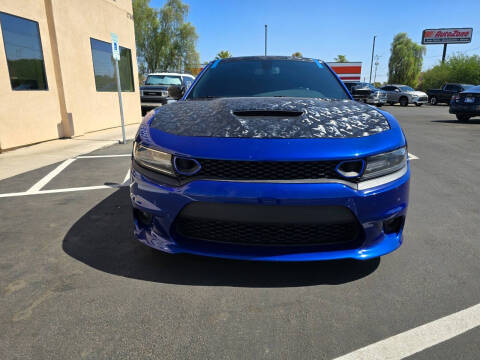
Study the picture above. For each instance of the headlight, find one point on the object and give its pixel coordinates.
(153, 159)
(386, 163)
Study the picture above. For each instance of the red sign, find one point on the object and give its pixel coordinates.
(447, 36)
(348, 71)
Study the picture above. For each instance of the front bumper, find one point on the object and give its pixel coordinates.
(371, 208)
(419, 100)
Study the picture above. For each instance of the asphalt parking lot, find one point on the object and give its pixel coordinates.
(74, 284)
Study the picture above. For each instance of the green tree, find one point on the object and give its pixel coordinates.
(406, 61)
(297, 54)
(165, 42)
(223, 54)
(458, 68)
(341, 58)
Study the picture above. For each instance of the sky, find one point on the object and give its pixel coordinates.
(324, 29)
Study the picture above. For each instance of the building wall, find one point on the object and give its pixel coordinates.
(28, 117)
(75, 23)
(71, 106)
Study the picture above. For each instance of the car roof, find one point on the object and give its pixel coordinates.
(475, 89)
(173, 74)
(246, 58)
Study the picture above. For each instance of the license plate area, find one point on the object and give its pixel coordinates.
(469, 100)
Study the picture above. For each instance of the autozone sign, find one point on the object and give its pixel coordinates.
(348, 71)
(447, 36)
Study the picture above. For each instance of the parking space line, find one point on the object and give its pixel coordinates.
(412, 157)
(47, 178)
(126, 179)
(420, 338)
(101, 156)
(54, 191)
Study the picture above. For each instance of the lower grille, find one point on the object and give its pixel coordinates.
(266, 234)
(267, 225)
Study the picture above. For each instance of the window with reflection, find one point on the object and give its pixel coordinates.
(23, 47)
(104, 67)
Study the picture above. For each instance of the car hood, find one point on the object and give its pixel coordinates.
(418, 93)
(285, 118)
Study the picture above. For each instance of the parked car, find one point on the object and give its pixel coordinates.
(444, 95)
(466, 104)
(404, 95)
(368, 93)
(269, 158)
(154, 92)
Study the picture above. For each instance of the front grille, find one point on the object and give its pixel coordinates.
(256, 224)
(265, 234)
(265, 170)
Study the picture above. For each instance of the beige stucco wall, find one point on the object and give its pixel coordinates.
(32, 116)
(76, 22)
(28, 116)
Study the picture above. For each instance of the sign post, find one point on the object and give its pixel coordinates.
(116, 57)
(447, 36)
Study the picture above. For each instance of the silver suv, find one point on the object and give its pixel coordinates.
(404, 95)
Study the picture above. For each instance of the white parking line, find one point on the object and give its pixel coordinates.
(126, 180)
(54, 191)
(101, 156)
(420, 338)
(412, 157)
(47, 178)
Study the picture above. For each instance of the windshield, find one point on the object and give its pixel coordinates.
(406, 88)
(257, 78)
(163, 80)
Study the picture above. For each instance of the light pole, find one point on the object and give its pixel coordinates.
(371, 63)
(376, 66)
(265, 40)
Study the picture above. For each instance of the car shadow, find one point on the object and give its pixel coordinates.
(103, 239)
(471, 121)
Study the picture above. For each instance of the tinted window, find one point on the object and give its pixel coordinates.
(449, 88)
(104, 67)
(295, 78)
(406, 88)
(163, 80)
(23, 48)
(387, 88)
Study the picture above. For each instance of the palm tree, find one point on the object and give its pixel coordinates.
(297, 54)
(223, 54)
(341, 58)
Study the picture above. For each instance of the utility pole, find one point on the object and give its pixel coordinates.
(444, 52)
(265, 40)
(371, 62)
(376, 66)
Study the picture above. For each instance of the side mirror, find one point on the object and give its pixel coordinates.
(397, 90)
(176, 92)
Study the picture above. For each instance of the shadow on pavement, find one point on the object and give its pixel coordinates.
(471, 121)
(103, 239)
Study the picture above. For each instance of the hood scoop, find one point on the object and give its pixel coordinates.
(266, 113)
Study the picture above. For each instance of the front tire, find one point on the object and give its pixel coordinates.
(433, 100)
(403, 101)
(463, 117)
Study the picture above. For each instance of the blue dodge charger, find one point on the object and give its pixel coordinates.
(269, 158)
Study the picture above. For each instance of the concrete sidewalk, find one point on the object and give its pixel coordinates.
(36, 156)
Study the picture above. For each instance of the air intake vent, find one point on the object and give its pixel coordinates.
(268, 113)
